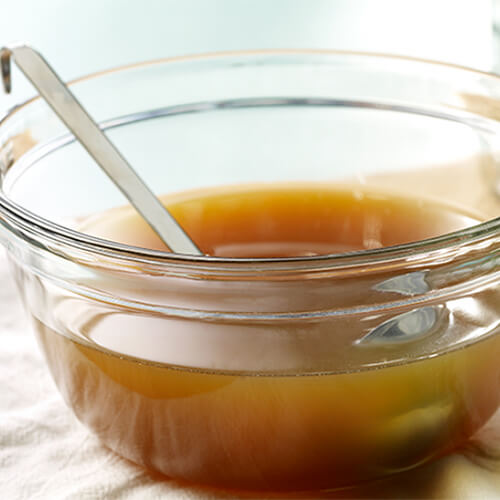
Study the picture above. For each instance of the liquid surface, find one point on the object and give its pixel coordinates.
(287, 220)
(294, 420)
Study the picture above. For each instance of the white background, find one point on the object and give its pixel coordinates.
(82, 36)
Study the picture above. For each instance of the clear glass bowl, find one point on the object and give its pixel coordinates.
(297, 373)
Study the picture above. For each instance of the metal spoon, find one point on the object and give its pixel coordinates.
(90, 136)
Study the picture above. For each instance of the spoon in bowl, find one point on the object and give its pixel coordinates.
(57, 95)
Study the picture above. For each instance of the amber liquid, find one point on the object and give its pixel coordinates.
(288, 220)
(270, 429)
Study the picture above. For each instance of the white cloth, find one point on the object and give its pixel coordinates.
(45, 453)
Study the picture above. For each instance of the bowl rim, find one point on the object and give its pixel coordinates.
(35, 226)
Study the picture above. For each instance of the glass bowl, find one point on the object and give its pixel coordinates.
(297, 373)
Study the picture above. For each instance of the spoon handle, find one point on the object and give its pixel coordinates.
(88, 133)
